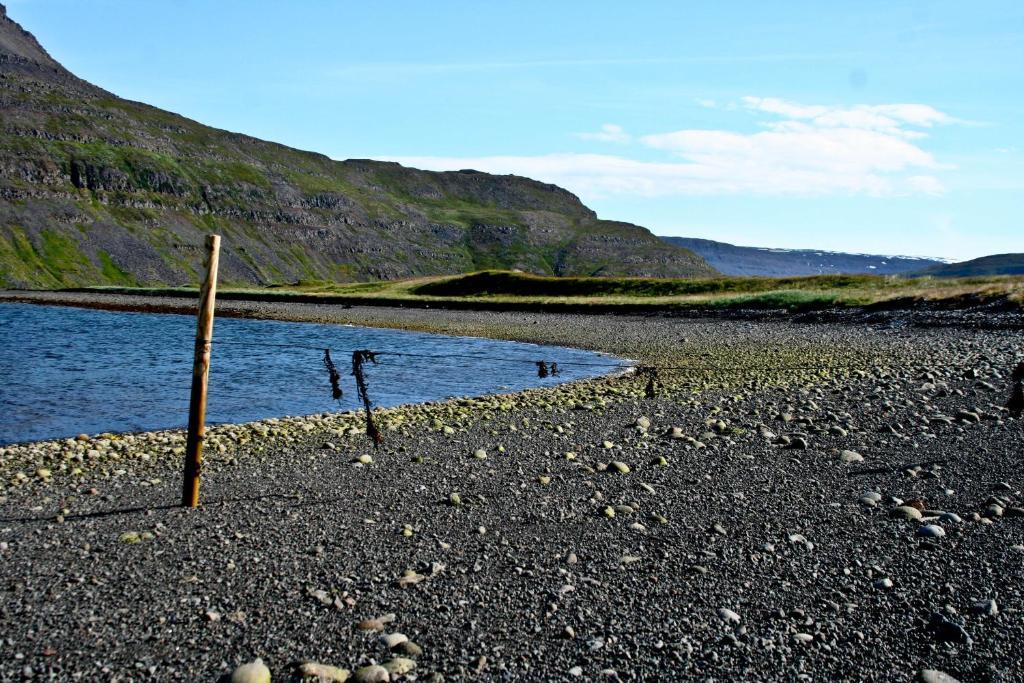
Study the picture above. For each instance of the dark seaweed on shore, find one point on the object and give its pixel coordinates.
(335, 376)
(358, 358)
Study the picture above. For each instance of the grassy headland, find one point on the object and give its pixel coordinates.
(506, 289)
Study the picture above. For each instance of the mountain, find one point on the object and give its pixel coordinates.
(730, 259)
(95, 189)
(997, 264)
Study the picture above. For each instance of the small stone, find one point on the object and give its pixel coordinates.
(906, 512)
(618, 466)
(803, 637)
(212, 617)
(365, 460)
(253, 672)
(409, 648)
(130, 537)
(393, 640)
(480, 454)
(992, 511)
(324, 673)
(719, 529)
(576, 671)
(931, 531)
(544, 480)
(987, 608)
(728, 616)
(608, 511)
(945, 630)
(399, 666)
(935, 676)
(848, 457)
(371, 674)
(643, 423)
(410, 578)
(375, 624)
(883, 583)
(455, 500)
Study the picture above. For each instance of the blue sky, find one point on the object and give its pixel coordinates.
(885, 127)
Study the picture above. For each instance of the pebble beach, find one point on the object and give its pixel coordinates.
(799, 500)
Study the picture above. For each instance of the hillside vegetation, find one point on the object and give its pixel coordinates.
(95, 189)
(504, 289)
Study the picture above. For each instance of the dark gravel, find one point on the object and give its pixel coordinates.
(523, 580)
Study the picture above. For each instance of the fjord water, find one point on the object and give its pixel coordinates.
(69, 370)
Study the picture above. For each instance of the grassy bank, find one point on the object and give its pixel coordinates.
(511, 290)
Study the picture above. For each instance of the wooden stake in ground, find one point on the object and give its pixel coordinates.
(200, 375)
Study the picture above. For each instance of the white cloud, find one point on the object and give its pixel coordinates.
(609, 133)
(796, 146)
(810, 150)
(891, 119)
(926, 184)
(595, 176)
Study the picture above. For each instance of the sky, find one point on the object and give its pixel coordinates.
(888, 127)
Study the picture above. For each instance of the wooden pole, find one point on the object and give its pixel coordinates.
(200, 375)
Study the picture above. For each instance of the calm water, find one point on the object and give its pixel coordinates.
(69, 370)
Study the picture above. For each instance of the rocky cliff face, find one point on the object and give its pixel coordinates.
(95, 189)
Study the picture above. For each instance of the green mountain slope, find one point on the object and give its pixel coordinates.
(95, 189)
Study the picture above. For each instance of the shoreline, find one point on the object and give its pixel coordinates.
(616, 366)
(971, 314)
(721, 529)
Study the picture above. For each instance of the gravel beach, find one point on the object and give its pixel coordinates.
(807, 501)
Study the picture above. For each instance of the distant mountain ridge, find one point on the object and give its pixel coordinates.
(996, 264)
(730, 259)
(95, 189)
